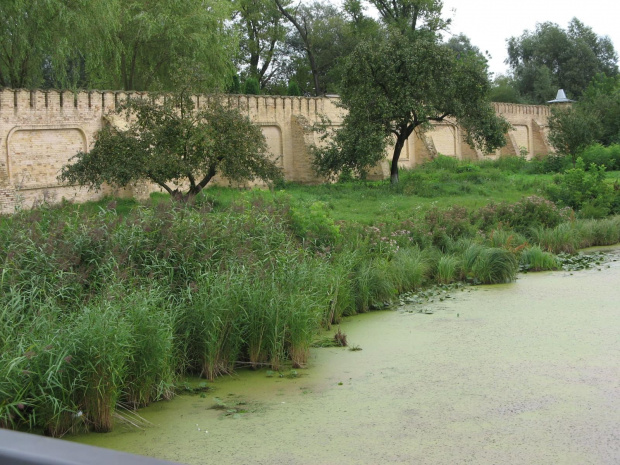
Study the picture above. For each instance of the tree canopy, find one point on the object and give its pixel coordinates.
(551, 58)
(595, 118)
(262, 33)
(32, 38)
(171, 143)
(113, 44)
(403, 81)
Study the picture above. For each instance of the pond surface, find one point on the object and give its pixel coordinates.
(522, 373)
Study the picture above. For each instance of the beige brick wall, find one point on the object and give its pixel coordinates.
(41, 130)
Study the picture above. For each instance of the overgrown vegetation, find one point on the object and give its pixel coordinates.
(109, 304)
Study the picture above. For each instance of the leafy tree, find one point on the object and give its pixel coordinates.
(171, 143)
(322, 36)
(503, 89)
(552, 58)
(293, 89)
(602, 100)
(411, 16)
(583, 190)
(402, 82)
(462, 46)
(117, 44)
(595, 118)
(299, 18)
(32, 36)
(262, 31)
(234, 86)
(251, 86)
(147, 41)
(362, 25)
(571, 130)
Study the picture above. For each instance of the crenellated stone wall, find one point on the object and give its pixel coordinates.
(41, 130)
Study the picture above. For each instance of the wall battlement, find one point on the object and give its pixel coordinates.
(40, 130)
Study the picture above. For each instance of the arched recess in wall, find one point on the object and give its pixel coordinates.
(445, 138)
(521, 134)
(275, 143)
(35, 154)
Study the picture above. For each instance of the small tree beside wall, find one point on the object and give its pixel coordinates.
(172, 143)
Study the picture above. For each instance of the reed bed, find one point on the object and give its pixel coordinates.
(100, 309)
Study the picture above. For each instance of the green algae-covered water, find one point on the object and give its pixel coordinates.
(522, 373)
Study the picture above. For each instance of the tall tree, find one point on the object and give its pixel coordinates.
(503, 89)
(571, 131)
(595, 118)
(33, 35)
(412, 16)
(462, 45)
(550, 58)
(602, 100)
(262, 34)
(406, 80)
(300, 19)
(333, 35)
(146, 41)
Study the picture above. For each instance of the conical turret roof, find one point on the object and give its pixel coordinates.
(561, 98)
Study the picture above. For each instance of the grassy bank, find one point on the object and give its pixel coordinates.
(109, 305)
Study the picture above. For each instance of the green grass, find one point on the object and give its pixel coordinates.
(536, 259)
(110, 303)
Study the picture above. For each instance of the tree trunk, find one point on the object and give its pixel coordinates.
(398, 148)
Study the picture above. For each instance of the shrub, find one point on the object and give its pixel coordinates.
(313, 225)
(600, 156)
(446, 224)
(521, 216)
(293, 89)
(442, 162)
(511, 163)
(579, 189)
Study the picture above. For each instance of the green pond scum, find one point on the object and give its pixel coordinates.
(524, 372)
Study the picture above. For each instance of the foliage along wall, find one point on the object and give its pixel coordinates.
(41, 130)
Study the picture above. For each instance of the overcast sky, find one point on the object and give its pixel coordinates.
(488, 23)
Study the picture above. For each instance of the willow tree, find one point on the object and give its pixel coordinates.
(33, 38)
(403, 81)
(142, 43)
